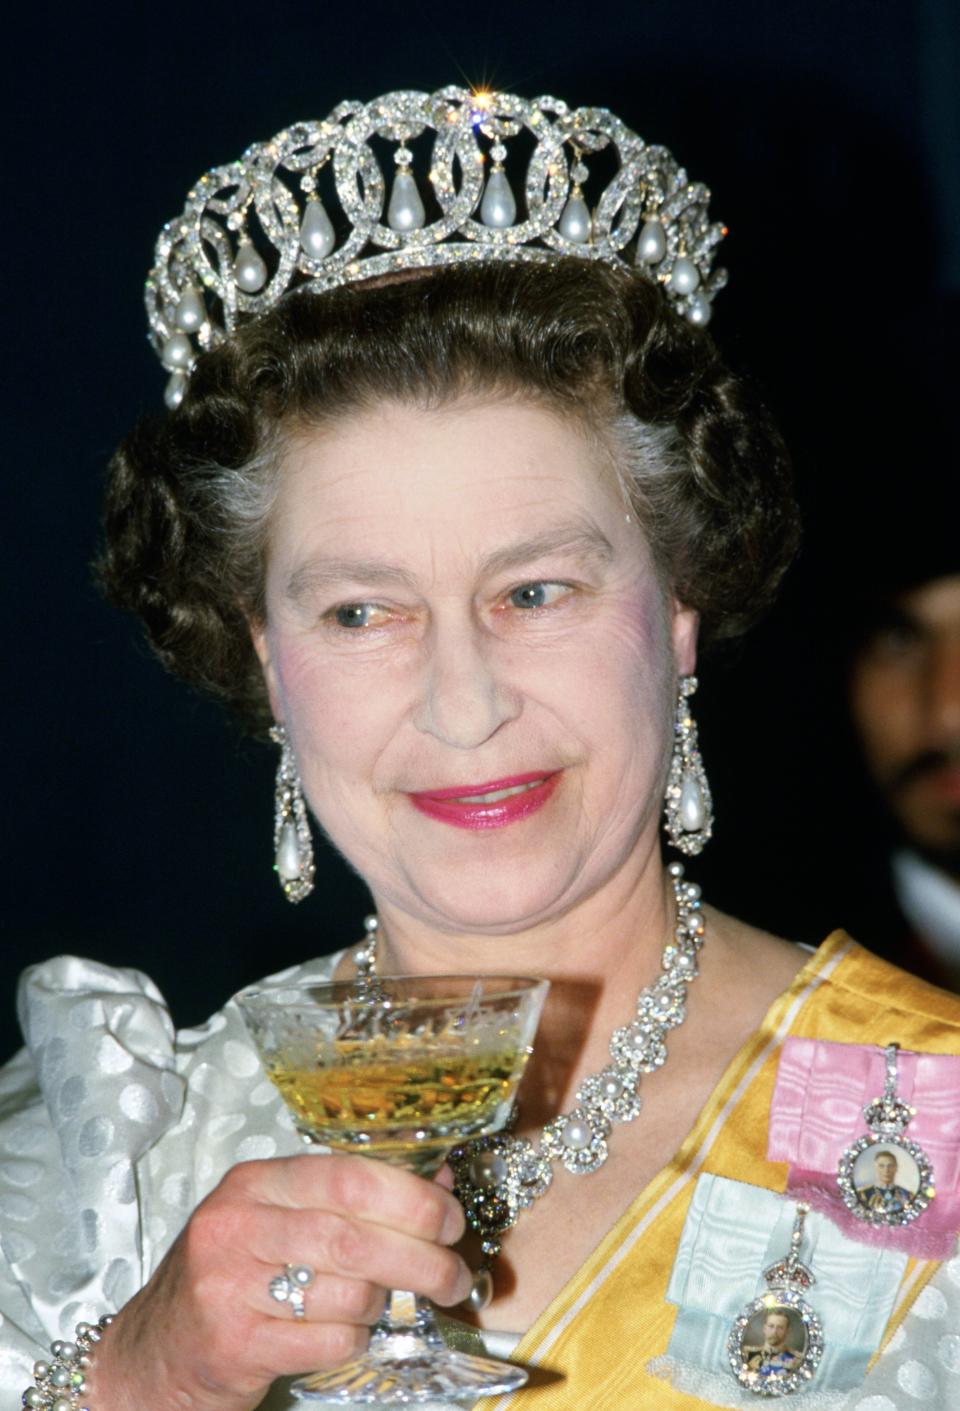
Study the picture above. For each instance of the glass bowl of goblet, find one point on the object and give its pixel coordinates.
(400, 1069)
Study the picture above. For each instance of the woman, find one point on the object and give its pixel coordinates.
(453, 526)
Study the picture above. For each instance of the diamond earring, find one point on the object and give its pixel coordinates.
(292, 844)
(688, 807)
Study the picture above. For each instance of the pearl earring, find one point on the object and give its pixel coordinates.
(688, 807)
(292, 844)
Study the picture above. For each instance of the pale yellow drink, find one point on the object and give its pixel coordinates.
(397, 1099)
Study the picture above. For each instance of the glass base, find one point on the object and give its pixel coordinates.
(409, 1364)
(391, 1380)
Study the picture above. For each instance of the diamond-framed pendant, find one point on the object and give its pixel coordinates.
(884, 1178)
(776, 1343)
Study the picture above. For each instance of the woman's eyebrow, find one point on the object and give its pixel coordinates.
(321, 572)
(587, 541)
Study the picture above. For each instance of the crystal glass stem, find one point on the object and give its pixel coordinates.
(408, 1362)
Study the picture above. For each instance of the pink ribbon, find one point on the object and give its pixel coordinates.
(817, 1112)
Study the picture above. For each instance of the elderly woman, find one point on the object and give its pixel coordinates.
(452, 484)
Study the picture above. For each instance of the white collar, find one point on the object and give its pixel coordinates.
(930, 900)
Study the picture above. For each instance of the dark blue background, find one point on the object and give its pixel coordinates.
(139, 826)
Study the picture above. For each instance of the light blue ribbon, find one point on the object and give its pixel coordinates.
(732, 1233)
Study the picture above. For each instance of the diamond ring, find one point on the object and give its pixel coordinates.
(289, 1287)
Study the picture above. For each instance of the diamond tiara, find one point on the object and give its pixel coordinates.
(415, 180)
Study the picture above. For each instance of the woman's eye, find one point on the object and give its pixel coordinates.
(356, 615)
(537, 595)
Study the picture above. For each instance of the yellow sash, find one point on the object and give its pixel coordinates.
(590, 1347)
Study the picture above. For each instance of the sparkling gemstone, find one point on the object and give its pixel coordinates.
(533, 1174)
(586, 1160)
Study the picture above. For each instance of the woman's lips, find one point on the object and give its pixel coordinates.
(490, 805)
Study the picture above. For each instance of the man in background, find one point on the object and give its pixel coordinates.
(904, 696)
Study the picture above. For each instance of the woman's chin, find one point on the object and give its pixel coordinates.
(496, 901)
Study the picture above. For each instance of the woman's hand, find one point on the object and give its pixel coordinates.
(205, 1334)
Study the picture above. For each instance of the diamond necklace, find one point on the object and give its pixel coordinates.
(497, 1177)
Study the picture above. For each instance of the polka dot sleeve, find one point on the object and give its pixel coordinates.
(112, 1129)
(920, 1367)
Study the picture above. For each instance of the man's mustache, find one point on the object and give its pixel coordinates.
(927, 762)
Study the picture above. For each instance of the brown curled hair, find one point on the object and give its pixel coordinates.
(189, 495)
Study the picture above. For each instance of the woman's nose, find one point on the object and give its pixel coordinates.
(464, 699)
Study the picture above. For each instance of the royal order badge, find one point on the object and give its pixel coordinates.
(776, 1343)
(884, 1178)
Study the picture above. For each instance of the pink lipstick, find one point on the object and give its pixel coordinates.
(490, 805)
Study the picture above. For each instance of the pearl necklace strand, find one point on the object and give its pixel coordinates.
(497, 1177)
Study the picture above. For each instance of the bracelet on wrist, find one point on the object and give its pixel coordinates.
(61, 1383)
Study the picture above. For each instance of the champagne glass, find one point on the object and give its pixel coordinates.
(401, 1069)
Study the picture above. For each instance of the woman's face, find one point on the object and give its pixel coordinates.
(467, 642)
